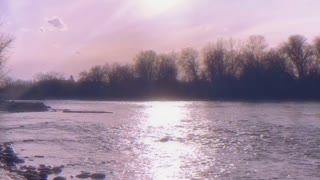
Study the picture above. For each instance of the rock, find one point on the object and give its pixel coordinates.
(57, 170)
(98, 176)
(59, 178)
(45, 170)
(9, 159)
(31, 168)
(14, 170)
(165, 139)
(13, 106)
(8, 150)
(43, 175)
(28, 140)
(23, 167)
(32, 175)
(37, 156)
(19, 161)
(20, 172)
(7, 143)
(83, 175)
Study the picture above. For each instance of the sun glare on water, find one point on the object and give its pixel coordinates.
(165, 128)
(165, 114)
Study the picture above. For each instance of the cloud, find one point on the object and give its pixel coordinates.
(54, 24)
(25, 30)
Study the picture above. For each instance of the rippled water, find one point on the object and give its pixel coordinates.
(172, 140)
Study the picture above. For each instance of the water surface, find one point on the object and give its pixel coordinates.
(172, 140)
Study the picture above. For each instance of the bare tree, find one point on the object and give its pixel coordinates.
(189, 61)
(168, 69)
(97, 74)
(6, 82)
(214, 57)
(120, 73)
(317, 46)
(146, 65)
(300, 54)
(49, 76)
(276, 63)
(317, 50)
(233, 60)
(255, 48)
(5, 42)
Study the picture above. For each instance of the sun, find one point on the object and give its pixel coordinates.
(156, 7)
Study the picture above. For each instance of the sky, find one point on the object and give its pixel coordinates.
(69, 36)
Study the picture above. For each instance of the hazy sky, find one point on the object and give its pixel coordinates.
(72, 35)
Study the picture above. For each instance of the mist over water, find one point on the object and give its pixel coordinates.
(172, 140)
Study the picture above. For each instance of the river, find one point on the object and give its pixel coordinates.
(172, 140)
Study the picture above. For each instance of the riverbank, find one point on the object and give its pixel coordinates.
(7, 164)
(4, 175)
(20, 106)
(12, 168)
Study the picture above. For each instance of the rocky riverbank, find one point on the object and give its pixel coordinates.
(17, 106)
(11, 167)
(12, 164)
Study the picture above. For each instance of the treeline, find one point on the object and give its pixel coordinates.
(226, 69)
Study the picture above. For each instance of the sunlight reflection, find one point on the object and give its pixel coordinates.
(165, 134)
(164, 114)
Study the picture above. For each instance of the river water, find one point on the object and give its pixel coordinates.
(172, 140)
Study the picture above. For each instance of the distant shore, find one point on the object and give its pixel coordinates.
(175, 99)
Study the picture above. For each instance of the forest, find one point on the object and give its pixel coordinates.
(224, 70)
